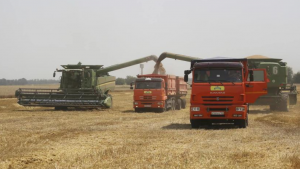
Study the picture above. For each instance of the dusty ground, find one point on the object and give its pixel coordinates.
(121, 138)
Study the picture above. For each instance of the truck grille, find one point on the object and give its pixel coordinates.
(217, 99)
(217, 109)
(147, 97)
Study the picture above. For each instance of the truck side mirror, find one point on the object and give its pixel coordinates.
(251, 75)
(54, 73)
(186, 78)
(186, 75)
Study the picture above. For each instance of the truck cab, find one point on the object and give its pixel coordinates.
(149, 93)
(222, 90)
(154, 92)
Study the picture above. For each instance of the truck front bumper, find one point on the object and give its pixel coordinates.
(149, 104)
(218, 112)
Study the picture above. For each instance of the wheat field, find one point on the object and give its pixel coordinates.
(33, 137)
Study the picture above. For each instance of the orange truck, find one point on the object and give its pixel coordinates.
(222, 89)
(154, 92)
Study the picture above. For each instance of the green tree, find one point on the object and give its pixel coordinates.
(290, 74)
(129, 79)
(120, 81)
(296, 77)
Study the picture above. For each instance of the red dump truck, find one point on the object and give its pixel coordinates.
(159, 93)
(222, 89)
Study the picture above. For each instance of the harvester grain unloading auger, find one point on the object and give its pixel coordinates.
(83, 86)
(158, 66)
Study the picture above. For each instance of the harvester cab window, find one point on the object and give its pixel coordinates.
(148, 85)
(258, 76)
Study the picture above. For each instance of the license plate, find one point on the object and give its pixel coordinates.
(146, 105)
(217, 113)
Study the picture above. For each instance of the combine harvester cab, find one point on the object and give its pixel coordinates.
(159, 93)
(81, 86)
(280, 93)
(222, 89)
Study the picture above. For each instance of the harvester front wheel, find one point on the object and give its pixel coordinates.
(283, 104)
(273, 107)
(111, 102)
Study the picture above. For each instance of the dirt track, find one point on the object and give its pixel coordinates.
(121, 138)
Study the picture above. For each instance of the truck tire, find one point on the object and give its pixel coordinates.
(173, 104)
(137, 110)
(183, 103)
(283, 104)
(178, 105)
(242, 123)
(248, 108)
(194, 124)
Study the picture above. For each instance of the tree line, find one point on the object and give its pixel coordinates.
(24, 81)
(123, 81)
(294, 78)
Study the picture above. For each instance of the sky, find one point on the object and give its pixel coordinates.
(36, 37)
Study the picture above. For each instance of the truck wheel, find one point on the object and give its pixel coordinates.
(173, 104)
(242, 123)
(194, 124)
(248, 108)
(137, 110)
(183, 103)
(178, 105)
(283, 104)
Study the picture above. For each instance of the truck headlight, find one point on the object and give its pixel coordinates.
(159, 103)
(195, 108)
(136, 103)
(239, 109)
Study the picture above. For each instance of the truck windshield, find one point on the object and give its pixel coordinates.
(148, 85)
(217, 75)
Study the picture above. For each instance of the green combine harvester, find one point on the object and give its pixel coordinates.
(280, 93)
(81, 86)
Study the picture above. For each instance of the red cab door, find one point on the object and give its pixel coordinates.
(256, 86)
